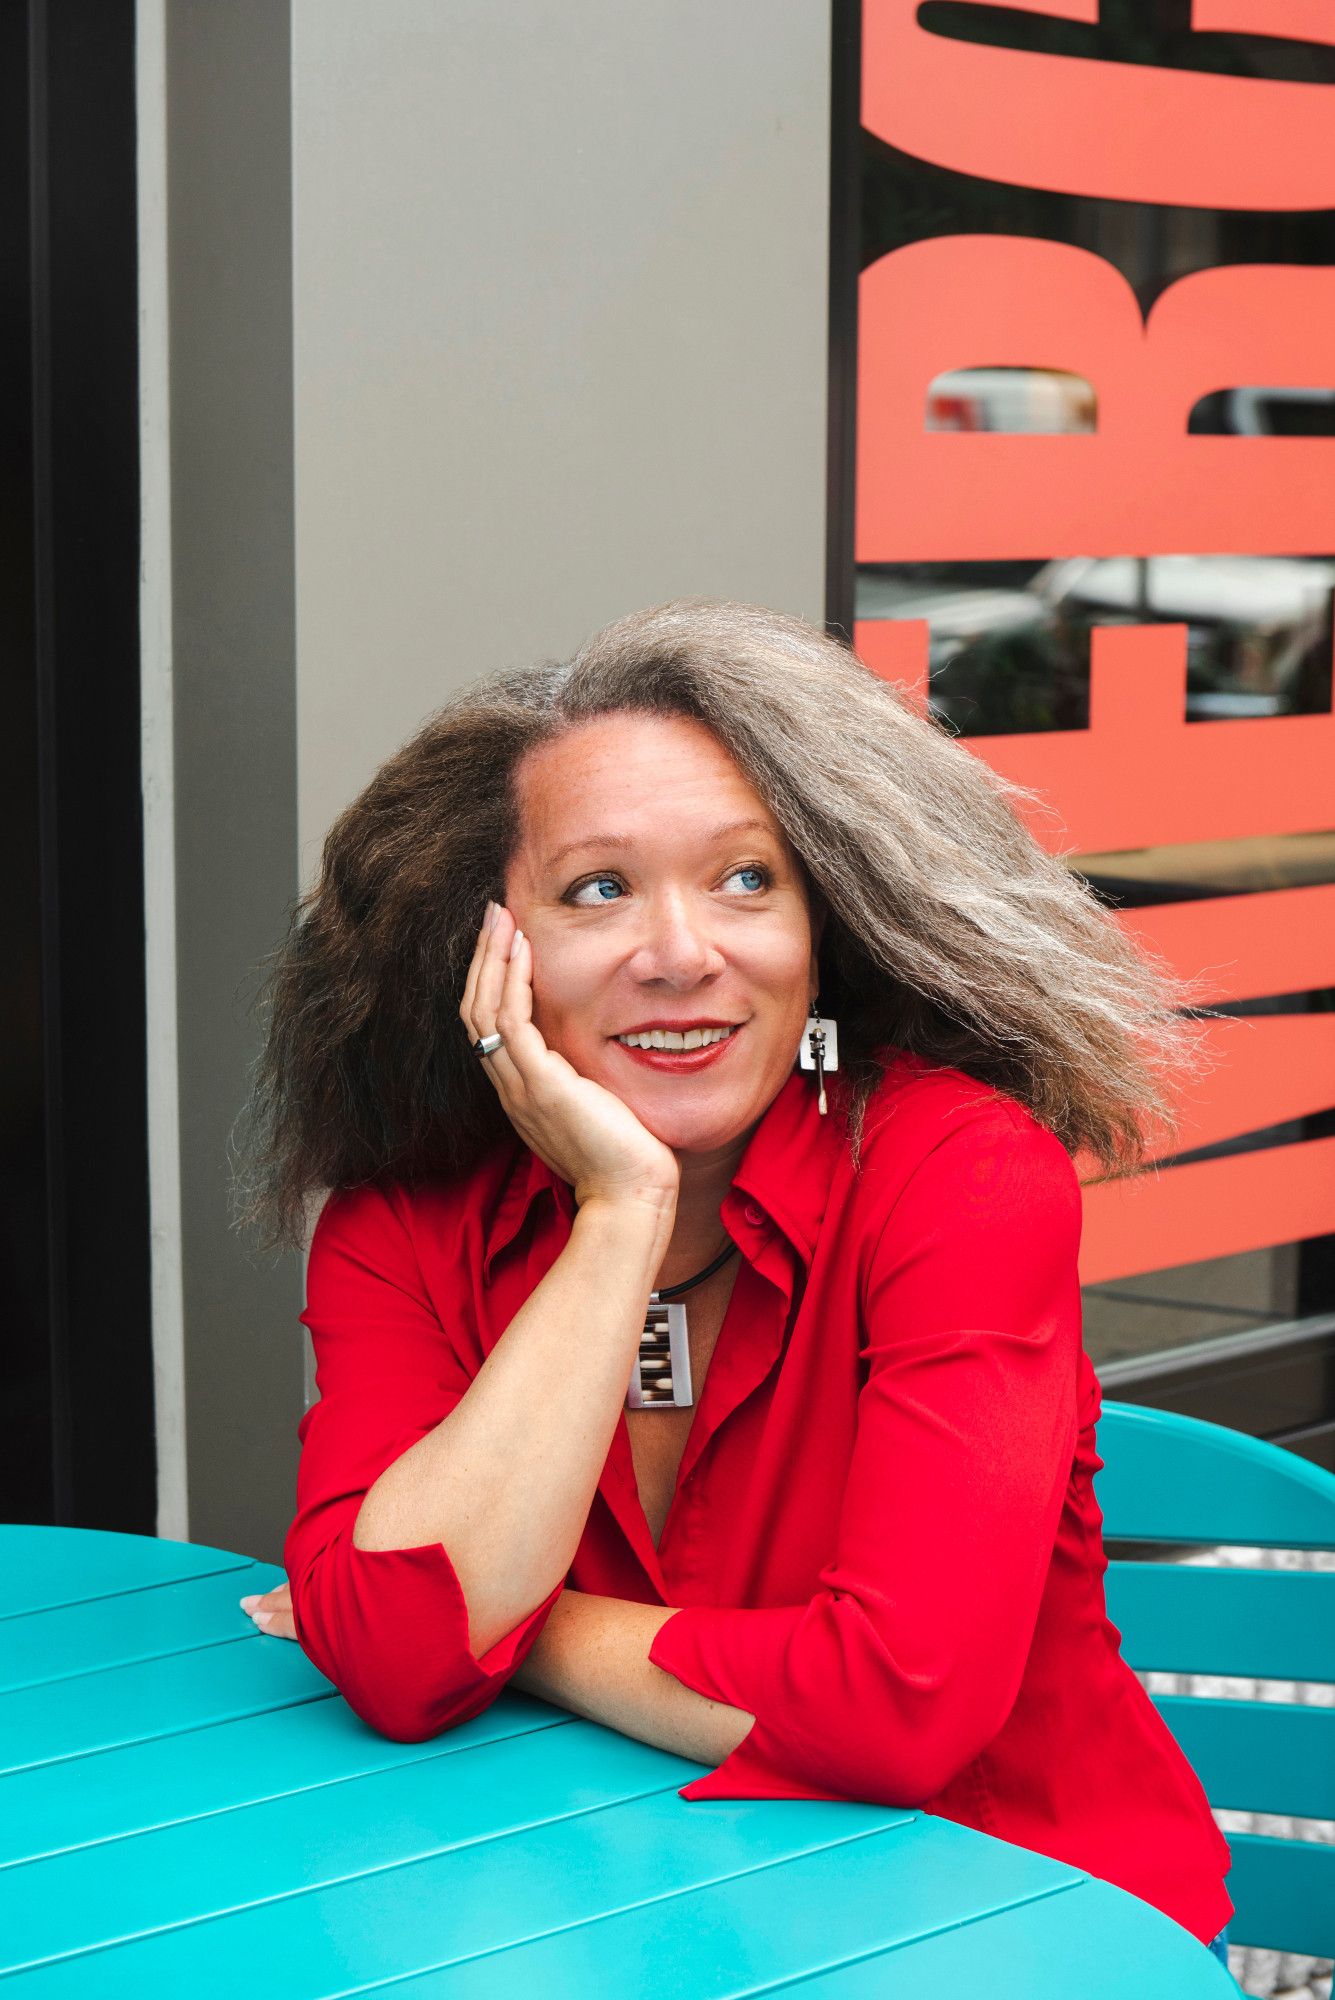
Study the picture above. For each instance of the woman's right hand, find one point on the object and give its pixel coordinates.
(580, 1130)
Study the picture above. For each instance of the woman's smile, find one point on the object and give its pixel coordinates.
(694, 1054)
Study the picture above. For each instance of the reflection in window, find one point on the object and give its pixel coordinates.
(1185, 1303)
(1019, 401)
(1009, 642)
(1143, 1314)
(1139, 877)
(1259, 636)
(1264, 413)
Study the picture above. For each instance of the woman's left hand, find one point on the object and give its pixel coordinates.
(272, 1611)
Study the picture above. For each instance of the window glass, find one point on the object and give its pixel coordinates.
(1095, 449)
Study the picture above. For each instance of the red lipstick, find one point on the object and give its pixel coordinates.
(681, 1062)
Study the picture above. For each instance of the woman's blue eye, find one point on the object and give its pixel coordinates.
(596, 883)
(762, 881)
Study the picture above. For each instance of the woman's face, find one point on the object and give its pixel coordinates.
(658, 891)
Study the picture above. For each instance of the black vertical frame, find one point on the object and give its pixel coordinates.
(845, 266)
(76, 1370)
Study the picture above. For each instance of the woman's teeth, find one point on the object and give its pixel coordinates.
(667, 1038)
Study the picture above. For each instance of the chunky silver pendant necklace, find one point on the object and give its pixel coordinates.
(661, 1376)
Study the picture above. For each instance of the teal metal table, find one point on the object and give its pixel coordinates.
(188, 1808)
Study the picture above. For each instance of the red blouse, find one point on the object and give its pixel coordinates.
(884, 1539)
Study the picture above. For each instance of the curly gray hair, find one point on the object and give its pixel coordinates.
(950, 931)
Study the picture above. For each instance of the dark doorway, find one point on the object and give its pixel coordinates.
(76, 1369)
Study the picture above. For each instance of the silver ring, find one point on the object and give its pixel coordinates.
(487, 1045)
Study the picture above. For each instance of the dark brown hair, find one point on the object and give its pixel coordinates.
(950, 931)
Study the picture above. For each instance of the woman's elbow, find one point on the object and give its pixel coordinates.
(416, 1719)
(411, 1712)
(405, 1696)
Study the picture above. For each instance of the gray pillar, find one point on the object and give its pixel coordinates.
(233, 691)
(487, 324)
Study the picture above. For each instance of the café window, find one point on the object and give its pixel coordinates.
(1088, 517)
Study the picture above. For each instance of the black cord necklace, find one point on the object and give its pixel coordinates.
(699, 1277)
(661, 1377)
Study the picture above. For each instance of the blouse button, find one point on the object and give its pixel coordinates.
(752, 1213)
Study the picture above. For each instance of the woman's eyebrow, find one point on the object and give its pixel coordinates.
(605, 840)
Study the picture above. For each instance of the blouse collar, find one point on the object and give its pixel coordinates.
(783, 1177)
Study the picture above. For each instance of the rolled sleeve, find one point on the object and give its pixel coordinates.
(389, 1627)
(906, 1662)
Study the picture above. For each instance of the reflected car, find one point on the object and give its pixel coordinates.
(1258, 627)
(1013, 655)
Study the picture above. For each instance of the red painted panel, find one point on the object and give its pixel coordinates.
(1242, 947)
(1139, 484)
(1141, 775)
(896, 649)
(1129, 132)
(1182, 1215)
(1269, 1069)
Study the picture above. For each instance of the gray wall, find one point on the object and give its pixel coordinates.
(560, 334)
(547, 341)
(229, 259)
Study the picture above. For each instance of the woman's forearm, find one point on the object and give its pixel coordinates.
(505, 1481)
(592, 1657)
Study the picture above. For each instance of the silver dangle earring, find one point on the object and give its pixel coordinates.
(820, 1047)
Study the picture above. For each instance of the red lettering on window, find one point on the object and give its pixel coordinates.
(1141, 775)
(1124, 131)
(1270, 1068)
(1138, 484)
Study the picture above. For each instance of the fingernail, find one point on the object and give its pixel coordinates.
(264, 1617)
(489, 915)
(247, 1602)
(515, 942)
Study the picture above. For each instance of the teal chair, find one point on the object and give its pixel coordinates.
(1174, 1479)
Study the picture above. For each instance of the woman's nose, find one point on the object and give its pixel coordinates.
(677, 942)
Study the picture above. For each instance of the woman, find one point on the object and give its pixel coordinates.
(839, 1538)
